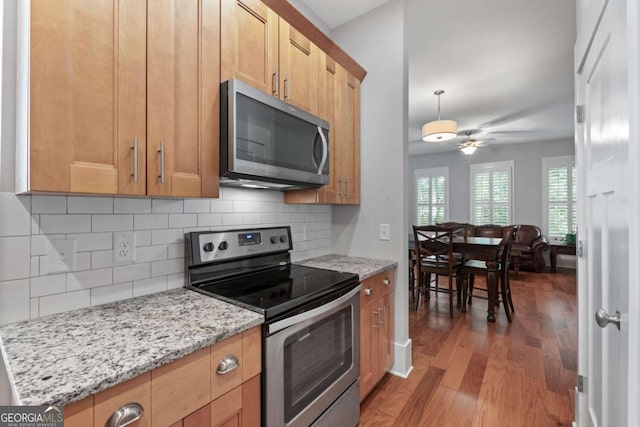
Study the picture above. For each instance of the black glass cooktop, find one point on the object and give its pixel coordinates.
(281, 289)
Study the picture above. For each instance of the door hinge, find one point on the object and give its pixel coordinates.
(579, 249)
(579, 113)
(582, 383)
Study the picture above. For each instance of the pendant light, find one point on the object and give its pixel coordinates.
(439, 130)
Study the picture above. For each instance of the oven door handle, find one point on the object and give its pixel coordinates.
(318, 311)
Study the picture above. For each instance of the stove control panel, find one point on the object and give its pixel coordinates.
(222, 245)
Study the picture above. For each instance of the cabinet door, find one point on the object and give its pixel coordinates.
(368, 348)
(79, 414)
(136, 390)
(386, 333)
(250, 49)
(226, 411)
(87, 95)
(351, 140)
(183, 98)
(298, 68)
(327, 102)
(200, 418)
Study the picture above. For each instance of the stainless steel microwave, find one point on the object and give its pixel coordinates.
(267, 143)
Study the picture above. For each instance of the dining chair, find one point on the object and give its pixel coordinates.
(471, 267)
(434, 253)
(412, 279)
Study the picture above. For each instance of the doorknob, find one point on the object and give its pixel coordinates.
(603, 318)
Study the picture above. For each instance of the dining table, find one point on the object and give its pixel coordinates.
(485, 248)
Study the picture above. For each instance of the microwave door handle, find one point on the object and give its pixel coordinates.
(325, 151)
(313, 151)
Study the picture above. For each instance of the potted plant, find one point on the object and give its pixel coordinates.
(570, 238)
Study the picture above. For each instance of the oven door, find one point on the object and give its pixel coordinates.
(311, 359)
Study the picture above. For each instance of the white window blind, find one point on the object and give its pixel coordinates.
(492, 193)
(432, 188)
(559, 196)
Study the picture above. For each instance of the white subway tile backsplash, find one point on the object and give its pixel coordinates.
(15, 258)
(89, 205)
(107, 294)
(182, 220)
(15, 305)
(15, 215)
(151, 253)
(64, 302)
(149, 286)
(128, 273)
(164, 268)
(48, 204)
(151, 221)
(52, 224)
(166, 237)
(221, 206)
(209, 220)
(159, 226)
(89, 279)
(167, 206)
(111, 223)
(125, 205)
(143, 238)
(197, 205)
(176, 281)
(86, 242)
(176, 251)
(48, 285)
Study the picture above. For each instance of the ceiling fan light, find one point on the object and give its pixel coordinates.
(469, 149)
(439, 130)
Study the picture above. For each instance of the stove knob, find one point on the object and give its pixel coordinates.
(283, 238)
(274, 239)
(223, 246)
(208, 247)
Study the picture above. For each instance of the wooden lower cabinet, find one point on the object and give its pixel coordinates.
(376, 329)
(188, 392)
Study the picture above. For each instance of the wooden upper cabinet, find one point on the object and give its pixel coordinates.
(249, 50)
(87, 96)
(298, 69)
(327, 102)
(183, 98)
(350, 128)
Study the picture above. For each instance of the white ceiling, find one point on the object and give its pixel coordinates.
(506, 66)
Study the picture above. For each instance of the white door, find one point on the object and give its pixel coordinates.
(606, 191)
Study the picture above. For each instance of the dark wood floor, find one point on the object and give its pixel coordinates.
(470, 373)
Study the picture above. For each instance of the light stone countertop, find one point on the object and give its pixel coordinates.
(66, 357)
(363, 267)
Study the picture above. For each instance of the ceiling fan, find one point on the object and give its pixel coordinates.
(470, 145)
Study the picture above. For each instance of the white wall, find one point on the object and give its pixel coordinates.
(376, 41)
(527, 177)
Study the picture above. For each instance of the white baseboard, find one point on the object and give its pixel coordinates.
(402, 365)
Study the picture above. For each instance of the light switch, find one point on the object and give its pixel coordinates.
(61, 256)
(385, 232)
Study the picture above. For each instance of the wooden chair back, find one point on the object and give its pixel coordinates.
(434, 245)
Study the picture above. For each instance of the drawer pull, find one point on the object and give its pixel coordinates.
(227, 364)
(368, 291)
(126, 415)
(386, 282)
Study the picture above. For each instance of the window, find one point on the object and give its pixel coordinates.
(432, 195)
(559, 196)
(491, 193)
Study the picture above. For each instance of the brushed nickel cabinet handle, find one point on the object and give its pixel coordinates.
(340, 191)
(162, 164)
(276, 82)
(384, 311)
(386, 282)
(135, 159)
(368, 291)
(376, 324)
(126, 415)
(286, 87)
(347, 182)
(228, 364)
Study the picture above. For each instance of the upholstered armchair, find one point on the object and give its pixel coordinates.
(531, 244)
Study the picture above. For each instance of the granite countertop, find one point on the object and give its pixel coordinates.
(66, 357)
(364, 267)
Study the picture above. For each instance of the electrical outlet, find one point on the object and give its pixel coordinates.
(61, 256)
(124, 247)
(385, 232)
(306, 232)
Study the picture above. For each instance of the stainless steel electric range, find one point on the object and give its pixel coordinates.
(311, 335)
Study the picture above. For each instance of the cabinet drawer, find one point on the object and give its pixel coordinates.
(79, 414)
(246, 348)
(380, 284)
(136, 390)
(181, 387)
